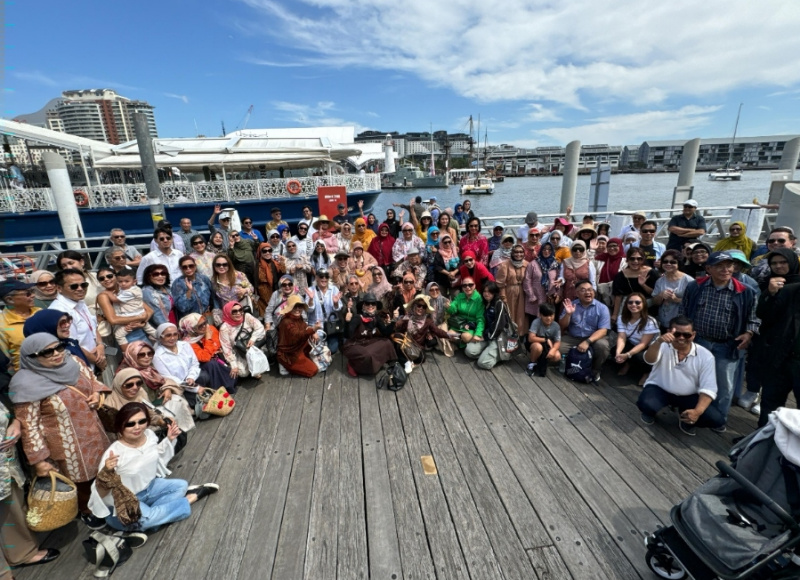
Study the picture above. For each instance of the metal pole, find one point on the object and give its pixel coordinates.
(64, 197)
(147, 155)
(569, 181)
(684, 190)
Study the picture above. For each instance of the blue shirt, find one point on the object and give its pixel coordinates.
(586, 320)
(200, 299)
(252, 235)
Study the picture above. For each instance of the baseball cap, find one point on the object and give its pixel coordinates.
(531, 218)
(340, 206)
(717, 257)
(9, 286)
(738, 256)
(690, 202)
(274, 209)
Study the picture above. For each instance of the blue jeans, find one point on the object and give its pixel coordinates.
(333, 342)
(726, 371)
(653, 398)
(162, 502)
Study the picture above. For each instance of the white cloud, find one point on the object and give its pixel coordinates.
(37, 77)
(70, 81)
(538, 50)
(635, 127)
(319, 115)
(183, 98)
(539, 113)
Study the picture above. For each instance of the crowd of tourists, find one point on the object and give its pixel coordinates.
(147, 338)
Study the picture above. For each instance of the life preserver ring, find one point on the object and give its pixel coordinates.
(293, 186)
(81, 199)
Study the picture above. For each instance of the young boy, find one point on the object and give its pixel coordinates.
(545, 338)
(128, 302)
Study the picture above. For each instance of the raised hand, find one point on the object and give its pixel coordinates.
(173, 431)
(310, 293)
(569, 306)
(217, 209)
(360, 204)
(111, 461)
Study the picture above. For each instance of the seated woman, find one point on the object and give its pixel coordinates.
(272, 315)
(466, 317)
(440, 304)
(418, 324)
(471, 268)
(635, 332)
(175, 360)
(129, 387)
(191, 292)
(368, 345)
(324, 304)
(155, 289)
(140, 463)
(236, 324)
(293, 336)
(229, 285)
(205, 342)
(45, 290)
(497, 317)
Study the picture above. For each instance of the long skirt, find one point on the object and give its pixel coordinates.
(298, 363)
(367, 357)
(216, 375)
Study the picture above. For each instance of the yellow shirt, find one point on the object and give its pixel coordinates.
(11, 336)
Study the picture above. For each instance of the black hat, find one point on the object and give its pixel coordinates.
(369, 298)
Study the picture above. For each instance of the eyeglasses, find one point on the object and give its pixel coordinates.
(682, 334)
(119, 237)
(221, 265)
(237, 310)
(476, 226)
(131, 424)
(198, 242)
(578, 250)
(164, 239)
(158, 275)
(634, 302)
(104, 278)
(468, 285)
(669, 263)
(49, 352)
(777, 241)
(287, 285)
(636, 259)
(133, 384)
(82, 285)
(188, 267)
(408, 281)
(146, 354)
(361, 226)
(648, 231)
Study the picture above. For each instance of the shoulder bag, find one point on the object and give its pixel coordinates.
(243, 337)
(332, 321)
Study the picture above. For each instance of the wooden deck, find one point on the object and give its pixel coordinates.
(325, 478)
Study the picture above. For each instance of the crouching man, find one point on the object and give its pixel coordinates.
(684, 377)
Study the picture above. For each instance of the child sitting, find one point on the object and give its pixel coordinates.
(128, 302)
(545, 338)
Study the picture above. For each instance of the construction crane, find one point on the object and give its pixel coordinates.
(245, 119)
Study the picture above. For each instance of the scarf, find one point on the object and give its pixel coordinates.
(35, 382)
(501, 254)
(126, 503)
(547, 264)
(226, 314)
(430, 242)
(151, 376)
(448, 254)
(740, 242)
(267, 270)
(241, 252)
(518, 263)
(320, 259)
(792, 276)
(38, 293)
(47, 321)
(612, 263)
(365, 238)
(575, 263)
(188, 328)
(380, 289)
(439, 303)
(117, 399)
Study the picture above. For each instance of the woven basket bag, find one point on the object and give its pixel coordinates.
(51, 509)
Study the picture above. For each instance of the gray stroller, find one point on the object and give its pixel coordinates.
(743, 523)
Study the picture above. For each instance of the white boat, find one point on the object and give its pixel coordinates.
(477, 186)
(728, 172)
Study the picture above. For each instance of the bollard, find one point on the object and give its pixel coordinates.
(569, 181)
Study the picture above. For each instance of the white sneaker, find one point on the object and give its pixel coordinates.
(409, 367)
(283, 371)
(756, 409)
(747, 399)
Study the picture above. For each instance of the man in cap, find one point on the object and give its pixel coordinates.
(434, 209)
(723, 311)
(276, 220)
(531, 221)
(685, 226)
(413, 263)
(18, 300)
(638, 219)
(648, 244)
(341, 217)
(224, 226)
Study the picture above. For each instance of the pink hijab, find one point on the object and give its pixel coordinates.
(226, 313)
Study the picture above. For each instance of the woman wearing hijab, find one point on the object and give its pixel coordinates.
(294, 335)
(139, 356)
(540, 280)
(236, 323)
(205, 342)
(561, 248)
(440, 304)
(127, 389)
(392, 223)
(532, 244)
(364, 235)
(418, 324)
(407, 240)
(344, 238)
(502, 253)
(471, 268)
(475, 242)
(460, 215)
(55, 398)
(446, 263)
(361, 264)
(240, 251)
(696, 267)
(431, 249)
(58, 324)
(286, 287)
(737, 240)
(577, 267)
(269, 271)
(510, 278)
(368, 345)
(381, 247)
(298, 265)
(175, 360)
(45, 290)
(275, 243)
(380, 285)
(789, 271)
(216, 244)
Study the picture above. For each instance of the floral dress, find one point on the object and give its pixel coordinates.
(227, 338)
(224, 294)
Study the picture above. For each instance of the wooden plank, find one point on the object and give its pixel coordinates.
(548, 564)
(479, 554)
(290, 557)
(448, 559)
(259, 554)
(352, 537)
(415, 555)
(382, 542)
(321, 545)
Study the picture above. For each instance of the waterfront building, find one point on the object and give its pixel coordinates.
(757, 152)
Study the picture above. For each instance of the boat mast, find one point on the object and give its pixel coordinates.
(735, 128)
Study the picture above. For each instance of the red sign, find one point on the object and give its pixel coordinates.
(330, 196)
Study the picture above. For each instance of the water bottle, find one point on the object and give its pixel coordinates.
(562, 366)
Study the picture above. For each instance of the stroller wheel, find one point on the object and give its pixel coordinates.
(664, 565)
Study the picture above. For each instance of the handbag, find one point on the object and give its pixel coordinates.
(410, 349)
(106, 414)
(220, 403)
(106, 553)
(200, 404)
(51, 507)
(271, 342)
(320, 354)
(392, 376)
(242, 338)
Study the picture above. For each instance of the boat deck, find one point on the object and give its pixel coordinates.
(463, 474)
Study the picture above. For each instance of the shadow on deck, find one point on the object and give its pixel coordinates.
(324, 478)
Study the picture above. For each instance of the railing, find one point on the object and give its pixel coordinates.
(233, 191)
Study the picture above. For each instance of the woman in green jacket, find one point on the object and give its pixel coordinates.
(466, 316)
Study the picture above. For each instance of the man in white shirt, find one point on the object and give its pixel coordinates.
(684, 377)
(177, 241)
(308, 219)
(164, 254)
(72, 285)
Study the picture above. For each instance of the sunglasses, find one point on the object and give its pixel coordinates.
(118, 237)
(446, 242)
(130, 424)
(468, 285)
(636, 259)
(302, 227)
(408, 281)
(377, 275)
(468, 260)
(578, 250)
(82, 285)
(104, 278)
(198, 242)
(777, 241)
(476, 226)
(274, 236)
(434, 289)
(263, 252)
(287, 285)
(682, 334)
(221, 265)
(634, 302)
(132, 384)
(188, 267)
(147, 354)
(247, 223)
(237, 310)
(322, 276)
(169, 335)
(534, 235)
(49, 352)
(158, 274)
(669, 263)
(164, 239)
(648, 231)
(234, 236)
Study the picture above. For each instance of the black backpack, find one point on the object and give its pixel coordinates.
(579, 365)
(392, 376)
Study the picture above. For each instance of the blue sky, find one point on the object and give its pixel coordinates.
(537, 72)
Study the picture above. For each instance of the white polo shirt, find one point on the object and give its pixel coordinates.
(693, 375)
(84, 323)
(158, 257)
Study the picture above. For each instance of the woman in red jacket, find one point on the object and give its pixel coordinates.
(471, 268)
(381, 246)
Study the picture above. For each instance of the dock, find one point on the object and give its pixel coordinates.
(464, 473)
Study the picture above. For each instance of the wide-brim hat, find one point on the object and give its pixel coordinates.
(417, 298)
(321, 219)
(370, 298)
(587, 229)
(291, 302)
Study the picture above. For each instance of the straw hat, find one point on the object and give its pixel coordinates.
(321, 219)
(293, 301)
(418, 297)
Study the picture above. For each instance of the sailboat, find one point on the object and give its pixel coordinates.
(729, 173)
(477, 185)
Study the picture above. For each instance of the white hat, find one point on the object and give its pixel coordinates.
(690, 202)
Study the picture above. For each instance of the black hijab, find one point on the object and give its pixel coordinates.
(793, 276)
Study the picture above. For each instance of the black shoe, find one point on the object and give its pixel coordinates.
(647, 419)
(92, 522)
(720, 429)
(51, 555)
(530, 369)
(204, 490)
(690, 430)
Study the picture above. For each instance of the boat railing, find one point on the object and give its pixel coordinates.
(717, 220)
(226, 191)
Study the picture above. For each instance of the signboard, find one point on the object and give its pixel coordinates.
(598, 193)
(329, 196)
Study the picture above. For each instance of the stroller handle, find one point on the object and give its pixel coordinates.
(749, 487)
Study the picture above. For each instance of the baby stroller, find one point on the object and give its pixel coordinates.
(743, 523)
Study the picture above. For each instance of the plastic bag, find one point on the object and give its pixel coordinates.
(257, 362)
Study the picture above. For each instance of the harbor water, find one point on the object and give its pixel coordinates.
(628, 191)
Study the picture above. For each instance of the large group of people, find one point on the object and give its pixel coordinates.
(148, 337)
